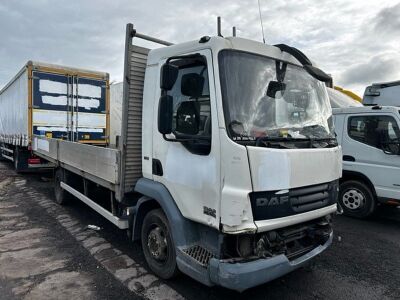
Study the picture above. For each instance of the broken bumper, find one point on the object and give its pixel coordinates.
(242, 276)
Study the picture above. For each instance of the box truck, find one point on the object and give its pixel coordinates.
(227, 165)
(55, 102)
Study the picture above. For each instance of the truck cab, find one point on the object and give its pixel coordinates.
(243, 141)
(369, 137)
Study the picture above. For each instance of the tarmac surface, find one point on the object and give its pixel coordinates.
(47, 252)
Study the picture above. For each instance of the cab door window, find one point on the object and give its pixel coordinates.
(377, 131)
(191, 105)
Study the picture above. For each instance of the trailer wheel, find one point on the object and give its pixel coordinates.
(356, 199)
(62, 197)
(157, 245)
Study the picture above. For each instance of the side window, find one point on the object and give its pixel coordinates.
(374, 130)
(191, 105)
(191, 100)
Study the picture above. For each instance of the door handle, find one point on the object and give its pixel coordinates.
(348, 158)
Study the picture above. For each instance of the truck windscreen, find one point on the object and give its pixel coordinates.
(266, 98)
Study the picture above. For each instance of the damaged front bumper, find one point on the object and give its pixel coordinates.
(241, 276)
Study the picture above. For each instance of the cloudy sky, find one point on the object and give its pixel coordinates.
(356, 42)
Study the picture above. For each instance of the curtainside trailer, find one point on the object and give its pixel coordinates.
(55, 102)
(227, 165)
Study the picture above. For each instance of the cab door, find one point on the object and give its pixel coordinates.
(365, 150)
(187, 162)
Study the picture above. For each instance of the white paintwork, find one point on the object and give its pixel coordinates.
(64, 129)
(277, 169)
(88, 90)
(53, 87)
(116, 98)
(236, 214)
(54, 118)
(62, 100)
(272, 224)
(42, 145)
(381, 169)
(193, 180)
(388, 96)
(14, 111)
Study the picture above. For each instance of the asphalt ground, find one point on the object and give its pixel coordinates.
(47, 252)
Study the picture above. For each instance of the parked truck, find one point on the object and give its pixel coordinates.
(52, 101)
(227, 166)
(370, 140)
(385, 94)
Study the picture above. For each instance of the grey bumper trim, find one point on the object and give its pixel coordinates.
(242, 276)
(272, 224)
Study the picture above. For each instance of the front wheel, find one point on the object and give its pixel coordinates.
(356, 199)
(158, 248)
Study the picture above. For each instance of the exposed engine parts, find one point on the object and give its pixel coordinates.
(293, 241)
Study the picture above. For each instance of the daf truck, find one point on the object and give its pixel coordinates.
(227, 166)
(370, 140)
(53, 101)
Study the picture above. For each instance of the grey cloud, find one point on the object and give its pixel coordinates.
(377, 69)
(338, 35)
(387, 21)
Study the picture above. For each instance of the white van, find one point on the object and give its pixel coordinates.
(370, 140)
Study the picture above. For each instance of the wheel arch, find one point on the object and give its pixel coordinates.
(352, 175)
(156, 195)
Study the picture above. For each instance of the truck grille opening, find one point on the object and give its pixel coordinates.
(309, 198)
(278, 204)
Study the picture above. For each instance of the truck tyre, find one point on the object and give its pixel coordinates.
(157, 244)
(356, 199)
(62, 197)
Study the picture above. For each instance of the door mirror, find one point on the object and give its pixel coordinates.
(165, 107)
(169, 74)
(274, 87)
(188, 118)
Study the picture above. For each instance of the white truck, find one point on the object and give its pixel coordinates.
(370, 140)
(385, 94)
(227, 166)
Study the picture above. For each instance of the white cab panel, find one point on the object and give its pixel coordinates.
(236, 214)
(192, 179)
(278, 169)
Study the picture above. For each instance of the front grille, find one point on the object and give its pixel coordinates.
(309, 198)
(200, 254)
(275, 204)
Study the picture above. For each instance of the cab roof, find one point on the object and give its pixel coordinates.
(217, 44)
